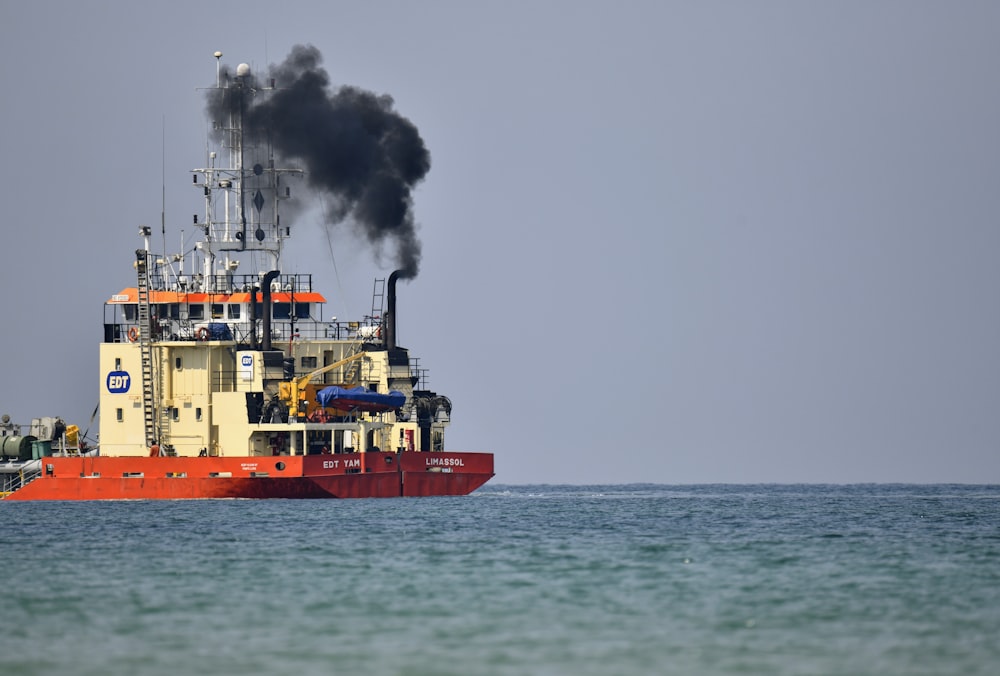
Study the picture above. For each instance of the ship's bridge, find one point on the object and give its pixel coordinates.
(184, 310)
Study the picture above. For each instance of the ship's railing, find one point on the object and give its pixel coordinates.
(226, 380)
(14, 481)
(422, 374)
(225, 284)
(119, 330)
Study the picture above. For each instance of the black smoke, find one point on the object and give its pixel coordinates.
(364, 156)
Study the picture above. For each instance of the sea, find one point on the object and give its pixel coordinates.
(511, 580)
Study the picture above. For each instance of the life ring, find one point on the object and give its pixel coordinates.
(133, 334)
(201, 334)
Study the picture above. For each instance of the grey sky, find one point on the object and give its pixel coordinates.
(666, 242)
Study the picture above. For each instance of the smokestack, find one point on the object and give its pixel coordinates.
(266, 319)
(390, 315)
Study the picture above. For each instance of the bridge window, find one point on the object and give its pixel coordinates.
(234, 310)
(284, 310)
(196, 312)
(308, 362)
(217, 311)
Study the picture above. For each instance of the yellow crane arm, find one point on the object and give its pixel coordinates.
(291, 392)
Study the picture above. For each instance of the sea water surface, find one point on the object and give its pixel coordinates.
(617, 580)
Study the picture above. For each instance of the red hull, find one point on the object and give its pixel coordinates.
(359, 475)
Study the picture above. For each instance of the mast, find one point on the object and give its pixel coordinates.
(242, 187)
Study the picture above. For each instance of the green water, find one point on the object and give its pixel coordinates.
(511, 580)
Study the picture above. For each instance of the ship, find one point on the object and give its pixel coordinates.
(220, 376)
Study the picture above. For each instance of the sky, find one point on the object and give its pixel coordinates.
(667, 242)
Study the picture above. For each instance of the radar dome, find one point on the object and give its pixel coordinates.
(242, 70)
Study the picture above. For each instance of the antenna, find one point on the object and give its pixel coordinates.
(163, 184)
(242, 187)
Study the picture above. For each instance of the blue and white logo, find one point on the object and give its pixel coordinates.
(118, 382)
(246, 366)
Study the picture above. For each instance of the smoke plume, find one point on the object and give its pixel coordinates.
(364, 156)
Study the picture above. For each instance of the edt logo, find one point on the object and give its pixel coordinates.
(118, 382)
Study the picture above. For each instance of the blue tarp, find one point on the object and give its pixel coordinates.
(219, 331)
(359, 398)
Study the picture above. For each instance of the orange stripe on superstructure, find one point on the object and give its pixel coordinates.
(298, 298)
(305, 297)
(124, 296)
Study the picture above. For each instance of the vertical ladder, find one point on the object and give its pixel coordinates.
(145, 334)
(355, 370)
(378, 299)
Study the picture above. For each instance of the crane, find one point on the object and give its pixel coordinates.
(293, 391)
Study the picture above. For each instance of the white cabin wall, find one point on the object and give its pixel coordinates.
(126, 436)
(187, 390)
(230, 418)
